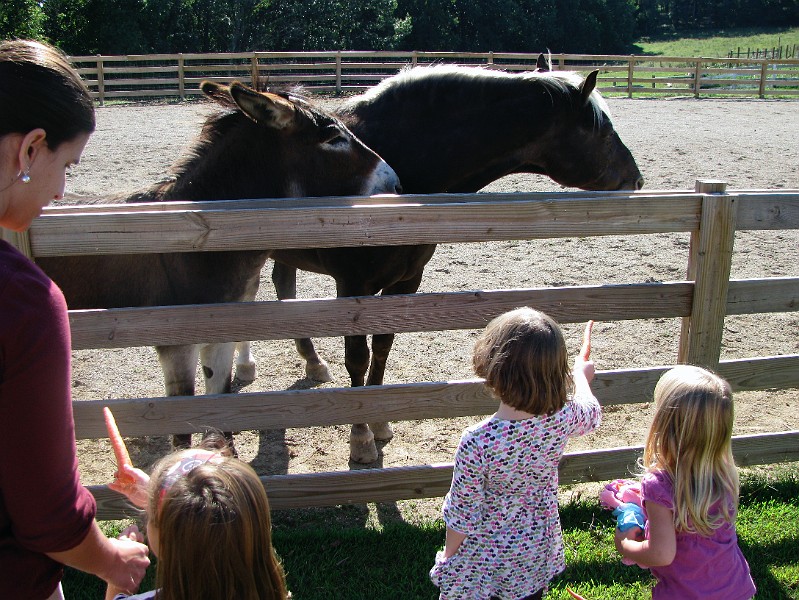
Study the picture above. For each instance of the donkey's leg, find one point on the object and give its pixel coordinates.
(381, 346)
(356, 360)
(284, 278)
(217, 363)
(245, 364)
(179, 364)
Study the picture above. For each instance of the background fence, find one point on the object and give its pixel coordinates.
(179, 75)
(711, 215)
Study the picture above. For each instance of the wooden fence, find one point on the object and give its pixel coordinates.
(711, 215)
(179, 75)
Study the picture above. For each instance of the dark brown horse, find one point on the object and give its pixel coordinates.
(263, 146)
(456, 129)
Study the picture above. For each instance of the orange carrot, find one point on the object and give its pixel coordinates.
(118, 444)
(575, 595)
(585, 351)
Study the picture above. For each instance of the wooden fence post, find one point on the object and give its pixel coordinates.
(100, 80)
(709, 263)
(763, 69)
(254, 71)
(338, 72)
(181, 78)
(630, 73)
(19, 239)
(697, 77)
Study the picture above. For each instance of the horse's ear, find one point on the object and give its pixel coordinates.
(544, 63)
(266, 108)
(588, 86)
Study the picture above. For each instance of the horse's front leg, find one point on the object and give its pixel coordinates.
(179, 364)
(381, 347)
(356, 360)
(284, 279)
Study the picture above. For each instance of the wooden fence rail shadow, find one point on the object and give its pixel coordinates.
(711, 214)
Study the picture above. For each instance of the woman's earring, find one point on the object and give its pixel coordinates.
(25, 177)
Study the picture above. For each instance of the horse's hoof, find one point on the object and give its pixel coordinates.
(318, 372)
(245, 371)
(382, 431)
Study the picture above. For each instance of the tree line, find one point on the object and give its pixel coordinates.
(82, 27)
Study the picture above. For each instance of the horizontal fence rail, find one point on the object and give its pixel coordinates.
(180, 75)
(703, 300)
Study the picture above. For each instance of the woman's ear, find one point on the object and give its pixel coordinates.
(31, 144)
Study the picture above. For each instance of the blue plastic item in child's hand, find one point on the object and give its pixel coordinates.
(629, 515)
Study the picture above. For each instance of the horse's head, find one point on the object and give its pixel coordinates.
(277, 145)
(580, 147)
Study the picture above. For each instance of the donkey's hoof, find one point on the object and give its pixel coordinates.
(382, 431)
(182, 441)
(245, 371)
(318, 372)
(362, 446)
(363, 453)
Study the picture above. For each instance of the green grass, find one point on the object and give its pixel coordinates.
(331, 554)
(716, 43)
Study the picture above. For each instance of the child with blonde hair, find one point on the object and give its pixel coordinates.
(503, 536)
(689, 493)
(209, 524)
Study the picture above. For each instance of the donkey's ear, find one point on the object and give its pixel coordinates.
(217, 93)
(267, 109)
(588, 86)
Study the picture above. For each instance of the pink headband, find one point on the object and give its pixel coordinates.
(189, 461)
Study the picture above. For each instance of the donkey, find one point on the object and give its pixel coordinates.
(263, 145)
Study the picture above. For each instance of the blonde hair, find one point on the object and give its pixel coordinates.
(214, 531)
(522, 357)
(691, 440)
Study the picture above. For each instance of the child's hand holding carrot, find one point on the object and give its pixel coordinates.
(128, 480)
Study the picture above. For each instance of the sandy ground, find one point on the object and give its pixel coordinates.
(748, 143)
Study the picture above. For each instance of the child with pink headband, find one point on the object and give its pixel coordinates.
(208, 523)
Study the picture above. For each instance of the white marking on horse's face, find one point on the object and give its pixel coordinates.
(383, 180)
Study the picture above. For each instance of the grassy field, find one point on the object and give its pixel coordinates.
(717, 43)
(326, 558)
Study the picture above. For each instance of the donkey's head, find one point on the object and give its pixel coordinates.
(277, 145)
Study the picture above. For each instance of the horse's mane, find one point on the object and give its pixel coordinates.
(428, 80)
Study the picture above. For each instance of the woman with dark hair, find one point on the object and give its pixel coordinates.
(47, 518)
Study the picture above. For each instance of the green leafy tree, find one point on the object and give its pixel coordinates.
(21, 19)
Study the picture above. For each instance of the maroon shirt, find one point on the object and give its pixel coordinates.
(43, 506)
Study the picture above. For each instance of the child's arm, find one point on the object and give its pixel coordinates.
(453, 542)
(130, 533)
(661, 547)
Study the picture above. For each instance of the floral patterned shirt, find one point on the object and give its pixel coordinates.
(504, 497)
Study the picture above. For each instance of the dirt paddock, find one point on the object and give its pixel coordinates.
(748, 143)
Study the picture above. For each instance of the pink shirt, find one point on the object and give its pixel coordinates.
(43, 506)
(704, 567)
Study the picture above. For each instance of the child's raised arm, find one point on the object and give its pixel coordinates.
(583, 366)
